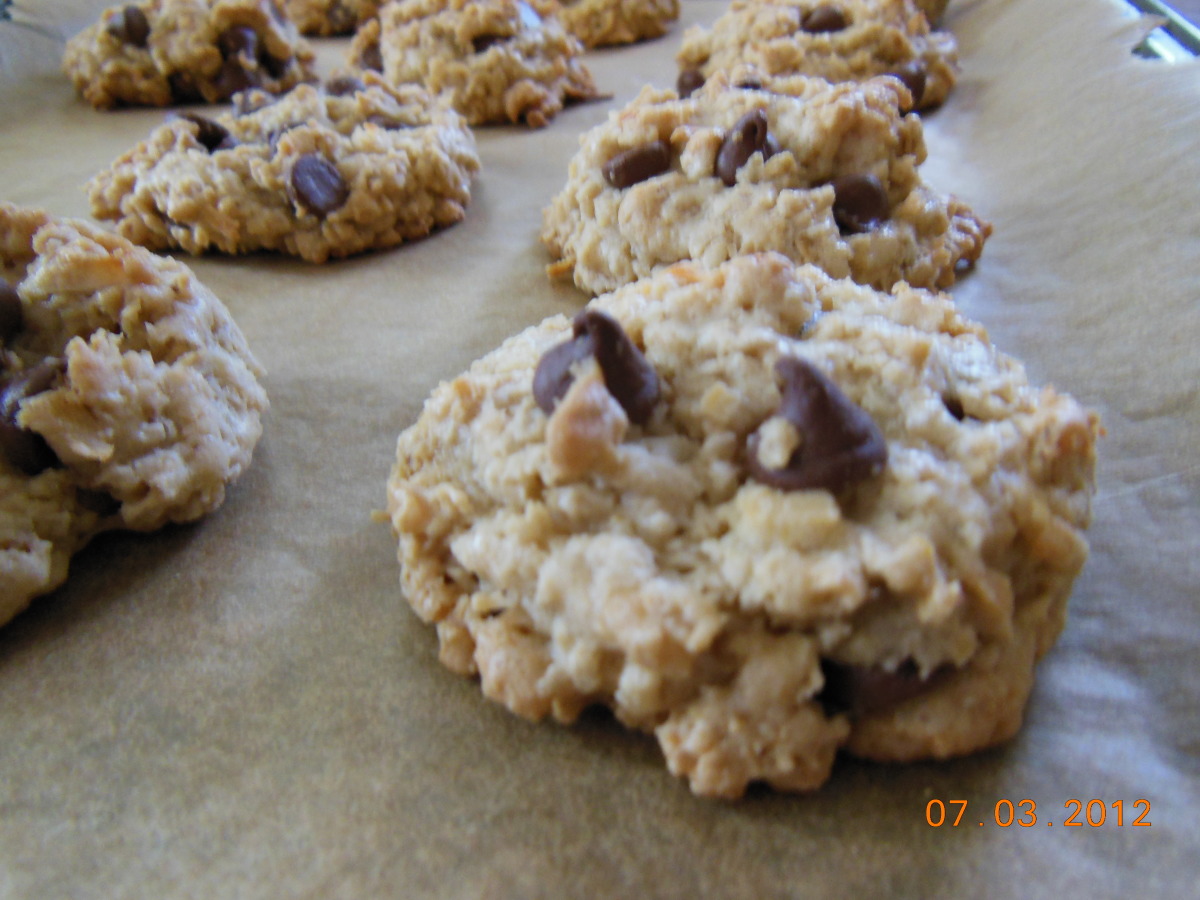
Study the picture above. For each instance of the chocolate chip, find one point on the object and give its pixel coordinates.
(822, 19)
(12, 315)
(638, 164)
(689, 81)
(861, 690)
(233, 78)
(99, 502)
(318, 185)
(954, 407)
(211, 135)
(482, 42)
(26, 450)
(275, 66)
(240, 40)
(344, 85)
(747, 137)
(913, 76)
(371, 58)
(860, 203)
(130, 26)
(183, 87)
(839, 444)
(552, 377)
(628, 375)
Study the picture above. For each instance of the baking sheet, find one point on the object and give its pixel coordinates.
(246, 707)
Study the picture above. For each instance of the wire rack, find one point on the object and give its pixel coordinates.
(1175, 39)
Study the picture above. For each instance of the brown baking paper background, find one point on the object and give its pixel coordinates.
(246, 707)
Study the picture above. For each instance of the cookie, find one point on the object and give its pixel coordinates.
(850, 40)
(128, 396)
(823, 173)
(495, 61)
(602, 23)
(330, 17)
(166, 52)
(758, 512)
(324, 171)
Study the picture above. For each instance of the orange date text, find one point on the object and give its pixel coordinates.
(1025, 814)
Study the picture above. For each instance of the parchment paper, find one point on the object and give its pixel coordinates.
(246, 707)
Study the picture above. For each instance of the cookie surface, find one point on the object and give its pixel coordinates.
(850, 40)
(667, 179)
(330, 17)
(495, 60)
(602, 23)
(321, 172)
(128, 396)
(165, 52)
(758, 512)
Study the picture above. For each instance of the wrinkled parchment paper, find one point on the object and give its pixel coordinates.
(246, 707)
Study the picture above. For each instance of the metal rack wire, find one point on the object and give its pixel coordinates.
(1176, 39)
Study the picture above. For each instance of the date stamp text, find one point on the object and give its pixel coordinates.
(1025, 814)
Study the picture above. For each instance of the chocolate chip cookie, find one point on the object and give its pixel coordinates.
(823, 173)
(324, 171)
(603, 23)
(329, 17)
(494, 61)
(759, 512)
(167, 52)
(849, 40)
(128, 396)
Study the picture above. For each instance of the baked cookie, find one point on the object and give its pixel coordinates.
(823, 173)
(165, 52)
(759, 512)
(323, 171)
(849, 40)
(326, 17)
(601, 23)
(495, 60)
(128, 396)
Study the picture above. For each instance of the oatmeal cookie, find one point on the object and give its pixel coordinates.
(166, 52)
(324, 171)
(496, 60)
(823, 173)
(758, 512)
(327, 17)
(602, 23)
(850, 40)
(128, 396)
